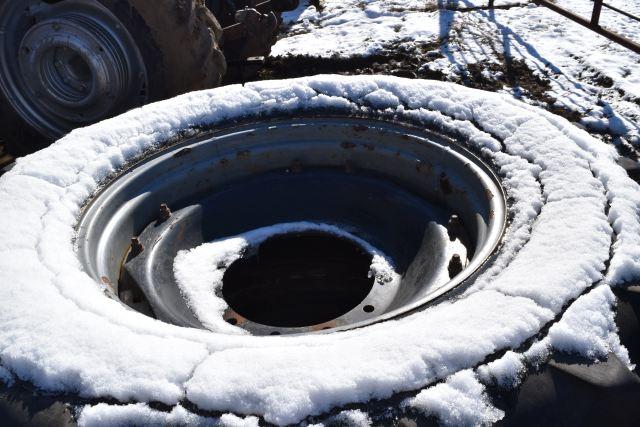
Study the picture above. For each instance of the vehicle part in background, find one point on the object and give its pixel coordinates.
(225, 10)
(70, 63)
(253, 35)
(250, 27)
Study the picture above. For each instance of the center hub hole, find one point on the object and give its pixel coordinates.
(298, 279)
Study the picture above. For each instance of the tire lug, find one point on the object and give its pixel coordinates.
(455, 266)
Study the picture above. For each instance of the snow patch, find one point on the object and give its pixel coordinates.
(459, 401)
(348, 418)
(588, 327)
(506, 372)
(141, 415)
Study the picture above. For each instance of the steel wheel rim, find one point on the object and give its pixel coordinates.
(104, 264)
(76, 64)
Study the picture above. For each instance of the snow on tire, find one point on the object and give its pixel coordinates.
(573, 223)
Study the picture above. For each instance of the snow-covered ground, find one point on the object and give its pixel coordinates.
(574, 224)
(528, 51)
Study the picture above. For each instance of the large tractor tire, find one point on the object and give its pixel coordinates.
(69, 63)
(406, 248)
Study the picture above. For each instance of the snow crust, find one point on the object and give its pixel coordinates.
(141, 415)
(199, 271)
(572, 204)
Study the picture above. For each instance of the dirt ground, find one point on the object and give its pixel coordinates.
(410, 64)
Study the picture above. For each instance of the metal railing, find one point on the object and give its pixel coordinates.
(594, 22)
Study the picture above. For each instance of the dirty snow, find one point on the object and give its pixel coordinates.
(199, 271)
(459, 401)
(141, 415)
(59, 331)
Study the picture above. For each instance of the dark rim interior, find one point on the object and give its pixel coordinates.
(298, 279)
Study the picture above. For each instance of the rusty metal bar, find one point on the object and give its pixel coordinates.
(264, 7)
(621, 40)
(622, 12)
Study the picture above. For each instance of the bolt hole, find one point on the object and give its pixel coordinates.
(368, 308)
(232, 321)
